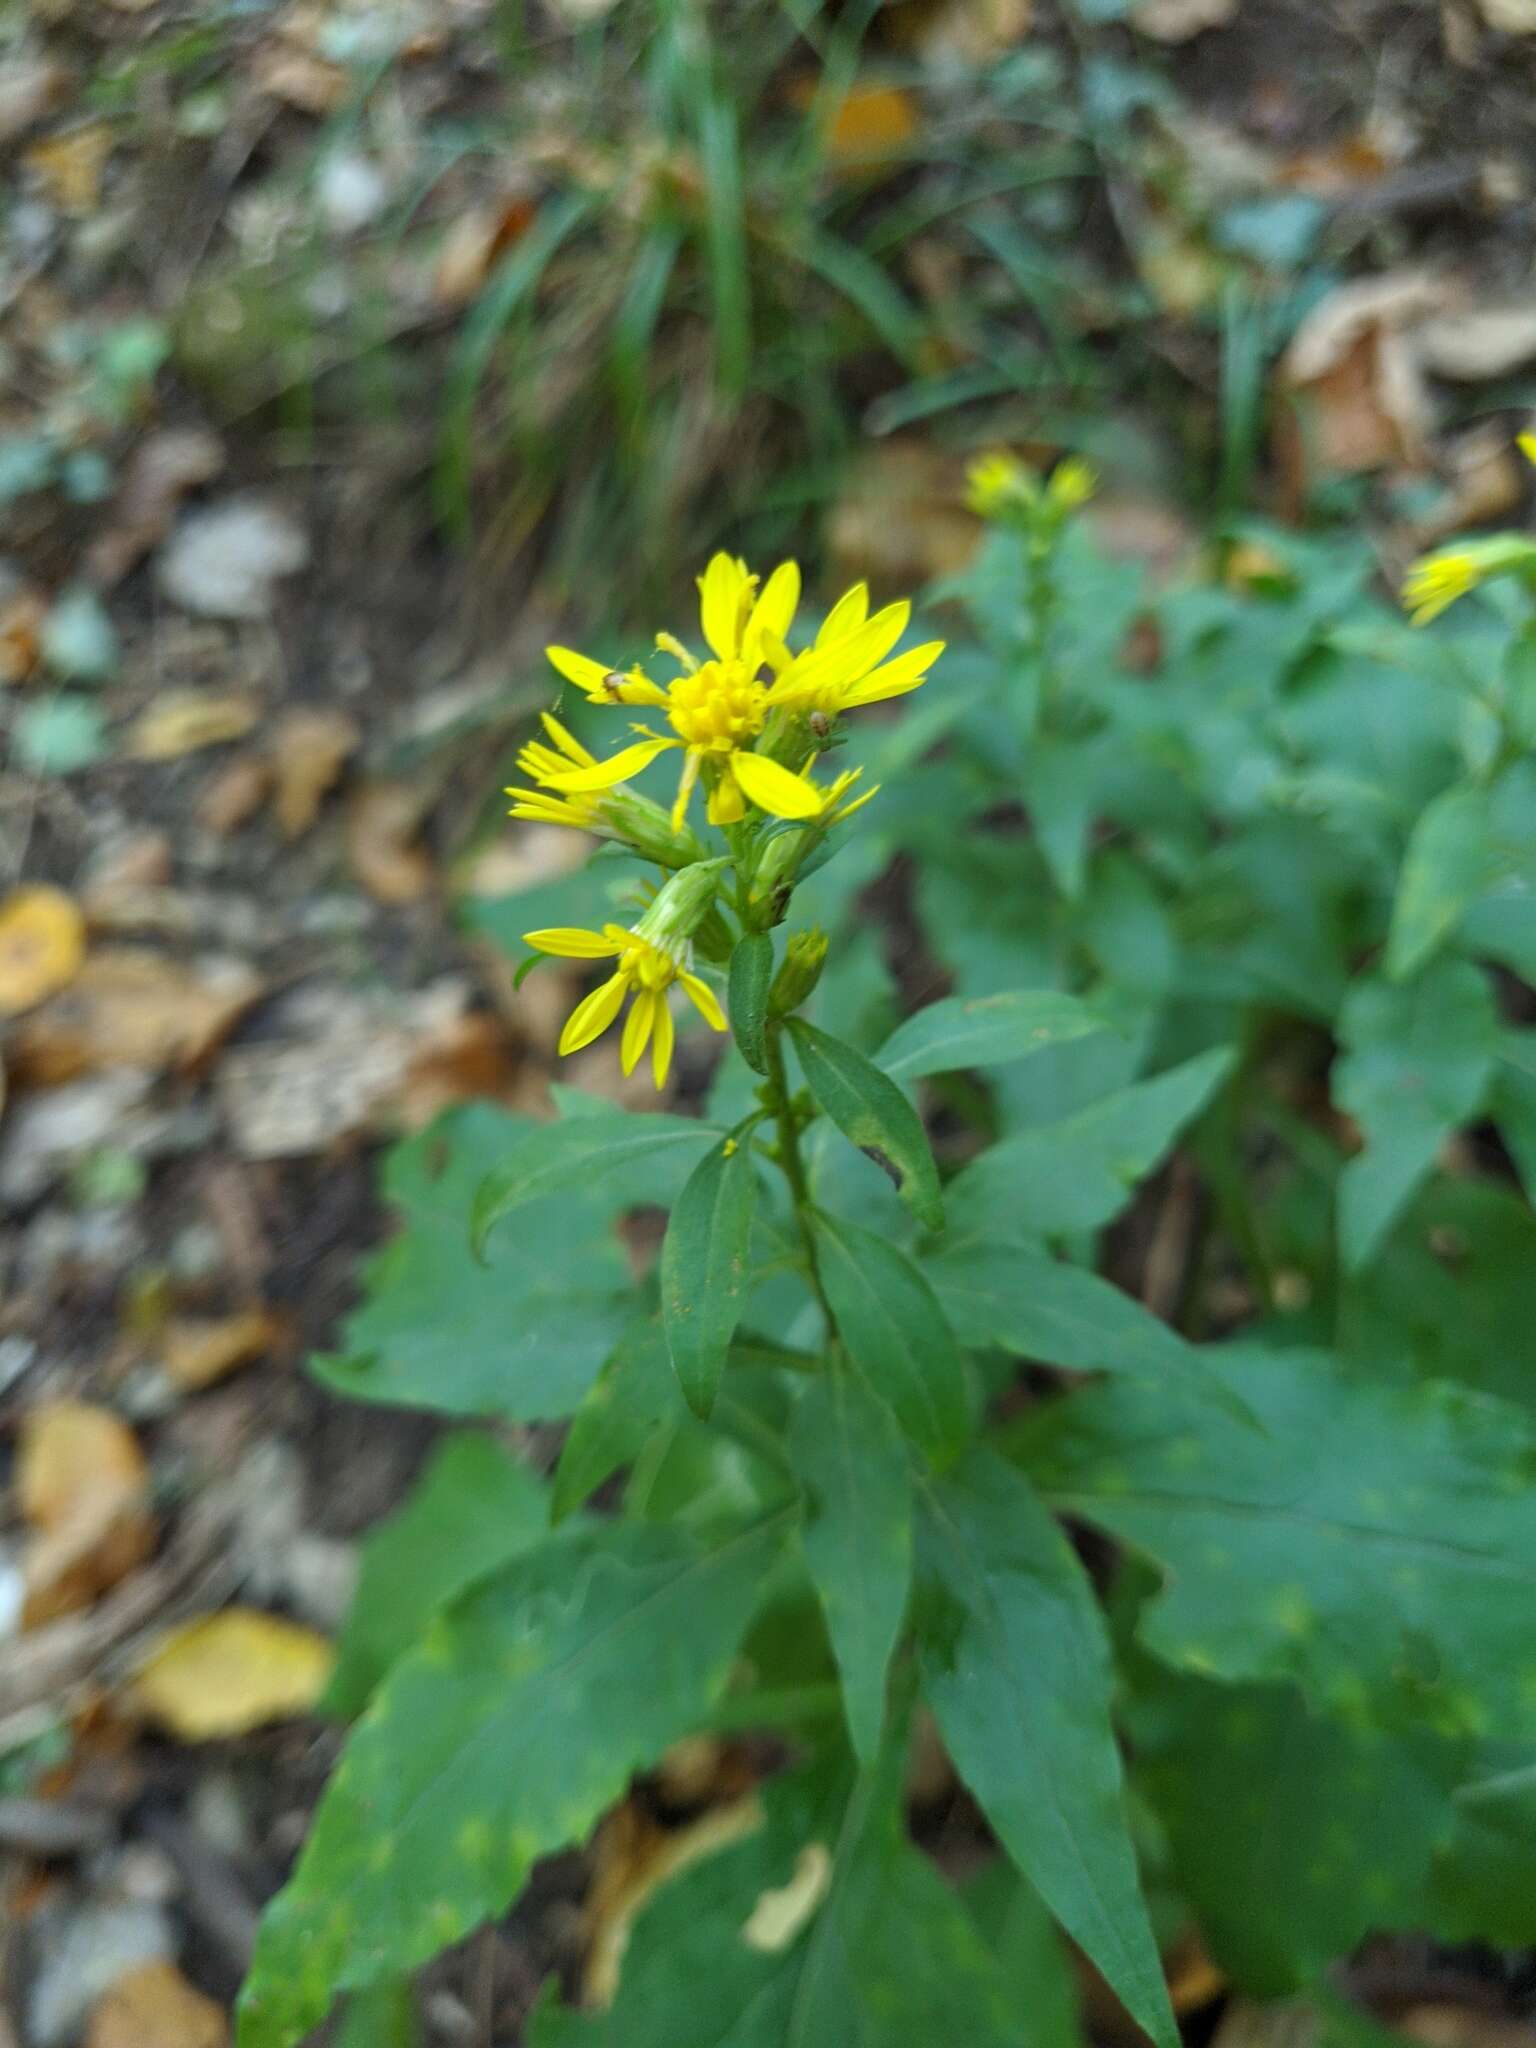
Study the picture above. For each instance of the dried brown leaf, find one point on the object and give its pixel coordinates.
(233, 795)
(154, 2006)
(1356, 398)
(131, 1007)
(199, 1350)
(1176, 21)
(184, 721)
(300, 79)
(70, 167)
(83, 1487)
(160, 472)
(309, 749)
(472, 244)
(21, 628)
(387, 857)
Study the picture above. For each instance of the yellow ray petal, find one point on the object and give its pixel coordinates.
(727, 805)
(567, 742)
(895, 678)
(617, 768)
(570, 942)
(579, 669)
(637, 1028)
(849, 613)
(661, 1044)
(772, 613)
(702, 996)
(722, 589)
(593, 1014)
(685, 782)
(842, 663)
(775, 789)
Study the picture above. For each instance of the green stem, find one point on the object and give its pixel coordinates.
(793, 1165)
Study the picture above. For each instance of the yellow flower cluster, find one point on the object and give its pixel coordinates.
(750, 719)
(732, 713)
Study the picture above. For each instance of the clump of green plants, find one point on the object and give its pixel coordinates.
(1191, 1509)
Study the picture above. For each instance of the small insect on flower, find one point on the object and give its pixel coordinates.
(734, 714)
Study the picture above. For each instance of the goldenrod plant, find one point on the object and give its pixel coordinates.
(1238, 870)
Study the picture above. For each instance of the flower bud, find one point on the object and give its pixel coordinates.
(799, 971)
(681, 906)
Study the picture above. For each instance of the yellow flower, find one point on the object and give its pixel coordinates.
(1527, 444)
(719, 709)
(1435, 582)
(646, 971)
(1073, 482)
(614, 812)
(539, 763)
(996, 480)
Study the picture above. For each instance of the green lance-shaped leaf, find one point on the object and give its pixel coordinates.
(634, 1395)
(1418, 1062)
(583, 1151)
(1448, 864)
(1077, 1174)
(504, 1736)
(896, 1334)
(751, 977)
(473, 1508)
(985, 1031)
(1016, 1668)
(848, 1452)
(1374, 1545)
(704, 1261)
(823, 1926)
(870, 1110)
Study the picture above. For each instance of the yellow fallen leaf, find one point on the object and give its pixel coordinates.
(42, 942)
(69, 167)
(155, 2007)
(225, 1674)
(182, 721)
(83, 1487)
(198, 1350)
(871, 121)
